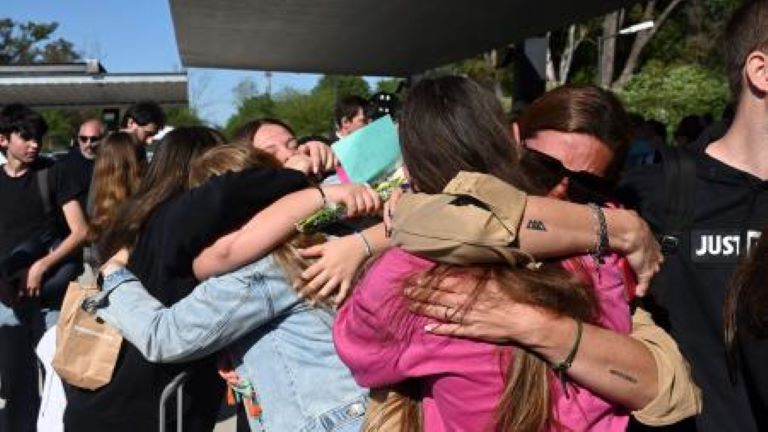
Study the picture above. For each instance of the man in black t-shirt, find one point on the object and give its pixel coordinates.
(729, 208)
(34, 248)
(77, 165)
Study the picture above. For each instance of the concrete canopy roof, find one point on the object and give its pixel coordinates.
(362, 37)
(71, 86)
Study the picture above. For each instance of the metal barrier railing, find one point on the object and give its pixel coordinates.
(176, 385)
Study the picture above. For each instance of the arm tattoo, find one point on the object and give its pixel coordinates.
(535, 225)
(623, 375)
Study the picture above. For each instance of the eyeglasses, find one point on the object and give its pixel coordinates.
(89, 139)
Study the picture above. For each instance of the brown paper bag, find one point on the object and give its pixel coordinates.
(86, 346)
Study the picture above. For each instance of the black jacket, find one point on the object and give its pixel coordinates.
(730, 209)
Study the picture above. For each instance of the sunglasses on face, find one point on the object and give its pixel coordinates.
(89, 139)
(582, 187)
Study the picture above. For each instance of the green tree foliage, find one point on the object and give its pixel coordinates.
(308, 113)
(62, 126)
(487, 69)
(692, 34)
(343, 85)
(670, 92)
(30, 42)
(388, 85)
(182, 116)
(250, 108)
(26, 43)
(61, 129)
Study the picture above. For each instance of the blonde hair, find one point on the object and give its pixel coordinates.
(228, 158)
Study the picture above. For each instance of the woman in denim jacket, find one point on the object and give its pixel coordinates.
(283, 343)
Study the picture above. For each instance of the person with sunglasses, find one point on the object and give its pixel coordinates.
(77, 164)
(574, 138)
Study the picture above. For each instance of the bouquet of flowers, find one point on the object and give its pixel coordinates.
(335, 212)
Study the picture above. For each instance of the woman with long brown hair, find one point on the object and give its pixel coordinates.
(449, 126)
(746, 327)
(280, 341)
(117, 173)
(165, 225)
(572, 136)
(583, 126)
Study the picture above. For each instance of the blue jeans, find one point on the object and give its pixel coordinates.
(347, 418)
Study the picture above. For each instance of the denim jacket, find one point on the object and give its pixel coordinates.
(285, 345)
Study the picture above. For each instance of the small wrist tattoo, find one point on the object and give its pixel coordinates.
(623, 375)
(536, 225)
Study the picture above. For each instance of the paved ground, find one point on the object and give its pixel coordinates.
(228, 425)
(228, 422)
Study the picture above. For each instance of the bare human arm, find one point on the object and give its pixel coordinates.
(542, 227)
(615, 366)
(551, 228)
(78, 229)
(644, 371)
(275, 224)
(567, 229)
(338, 262)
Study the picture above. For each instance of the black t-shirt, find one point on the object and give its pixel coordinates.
(22, 213)
(730, 209)
(78, 170)
(162, 259)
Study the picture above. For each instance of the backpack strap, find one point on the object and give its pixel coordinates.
(44, 188)
(680, 180)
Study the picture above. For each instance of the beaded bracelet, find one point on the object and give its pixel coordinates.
(601, 233)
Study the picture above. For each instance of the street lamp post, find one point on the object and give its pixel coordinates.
(635, 28)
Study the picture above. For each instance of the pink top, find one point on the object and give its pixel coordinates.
(462, 379)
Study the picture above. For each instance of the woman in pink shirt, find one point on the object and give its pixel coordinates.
(450, 125)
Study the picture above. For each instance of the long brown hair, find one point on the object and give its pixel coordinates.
(167, 176)
(585, 109)
(746, 305)
(119, 167)
(452, 124)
